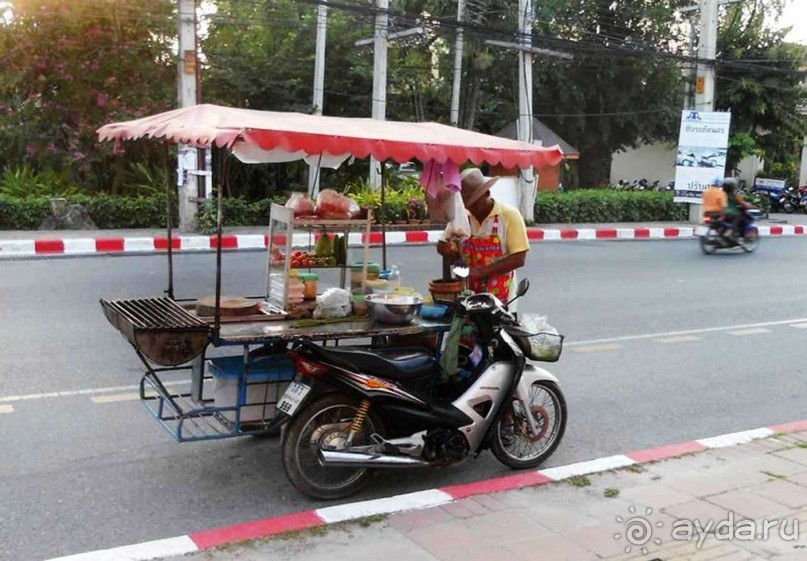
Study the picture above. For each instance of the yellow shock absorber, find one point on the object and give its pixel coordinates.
(358, 420)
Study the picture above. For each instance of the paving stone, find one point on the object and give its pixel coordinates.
(772, 464)
(598, 539)
(699, 510)
(559, 519)
(775, 545)
(448, 541)
(800, 479)
(406, 521)
(784, 492)
(656, 495)
(505, 527)
(748, 504)
(726, 479)
(490, 502)
(551, 548)
(798, 455)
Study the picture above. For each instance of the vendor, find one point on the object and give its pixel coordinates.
(498, 243)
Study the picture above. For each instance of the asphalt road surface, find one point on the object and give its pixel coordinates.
(663, 345)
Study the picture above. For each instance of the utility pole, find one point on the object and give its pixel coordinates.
(455, 92)
(379, 78)
(319, 85)
(707, 52)
(526, 177)
(188, 157)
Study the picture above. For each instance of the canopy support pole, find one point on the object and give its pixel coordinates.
(384, 214)
(217, 318)
(169, 233)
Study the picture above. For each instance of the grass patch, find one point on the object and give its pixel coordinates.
(370, 520)
(611, 493)
(635, 468)
(579, 481)
(773, 476)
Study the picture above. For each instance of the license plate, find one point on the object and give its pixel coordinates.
(293, 397)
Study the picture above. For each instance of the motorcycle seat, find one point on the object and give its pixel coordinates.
(398, 364)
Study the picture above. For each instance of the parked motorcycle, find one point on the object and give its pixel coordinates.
(714, 234)
(789, 200)
(355, 410)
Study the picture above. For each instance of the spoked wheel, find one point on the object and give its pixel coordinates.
(514, 444)
(325, 424)
(751, 240)
(788, 207)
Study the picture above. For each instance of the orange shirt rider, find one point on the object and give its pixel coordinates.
(498, 244)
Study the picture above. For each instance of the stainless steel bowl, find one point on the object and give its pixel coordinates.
(394, 308)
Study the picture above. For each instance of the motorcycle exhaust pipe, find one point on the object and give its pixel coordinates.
(333, 458)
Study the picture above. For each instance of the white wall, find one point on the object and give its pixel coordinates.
(506, 191)
(656, 162)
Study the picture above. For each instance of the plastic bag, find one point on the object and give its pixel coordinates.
(301, 204)
(459, 226)
(333, 206)
(542, 342)
(333, 303)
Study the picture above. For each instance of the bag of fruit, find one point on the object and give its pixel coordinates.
(331, 205)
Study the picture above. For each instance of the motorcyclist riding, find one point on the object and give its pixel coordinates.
(734, 213)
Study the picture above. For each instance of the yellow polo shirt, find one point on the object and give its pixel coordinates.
(512, 229)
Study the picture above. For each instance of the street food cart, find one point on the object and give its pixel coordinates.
(213, 373)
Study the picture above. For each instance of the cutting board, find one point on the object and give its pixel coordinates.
(231, 306)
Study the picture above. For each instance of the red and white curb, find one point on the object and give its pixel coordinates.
(159, 244)
(207, 539)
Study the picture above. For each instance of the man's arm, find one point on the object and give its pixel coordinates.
(504, 266)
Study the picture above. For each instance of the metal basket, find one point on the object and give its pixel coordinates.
(543, 347)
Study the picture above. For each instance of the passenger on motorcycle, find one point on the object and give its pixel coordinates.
(735, 209)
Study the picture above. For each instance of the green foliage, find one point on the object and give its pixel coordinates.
(23, 182)
(596, 205)
(107, 212)
(236, 211)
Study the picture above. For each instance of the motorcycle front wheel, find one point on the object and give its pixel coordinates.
(514, 444)
(788, 207)
(751, 240)
(706, 243)
(325, 424)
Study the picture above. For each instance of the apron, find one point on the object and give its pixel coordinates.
(485, 251)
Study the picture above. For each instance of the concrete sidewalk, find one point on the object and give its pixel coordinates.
(710, 505)
(734, 497)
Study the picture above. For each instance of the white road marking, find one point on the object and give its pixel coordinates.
(398, 503)
(596, 348)
(72, 393)
(753, 331)
(685, 332)
(586, 468)
(678, 339)
(114, 398)
(725, 440)
(799, 325)
(138, 552)
(6, 409)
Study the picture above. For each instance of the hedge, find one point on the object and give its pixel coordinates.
(106, 211)
(110, 212)
(608, 206)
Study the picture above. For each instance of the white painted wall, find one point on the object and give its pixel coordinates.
(506, 190)
(656, 162)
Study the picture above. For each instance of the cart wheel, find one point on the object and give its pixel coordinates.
(325, 423)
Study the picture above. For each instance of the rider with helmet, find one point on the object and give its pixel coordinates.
(736, 206)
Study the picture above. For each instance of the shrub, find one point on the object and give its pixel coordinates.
(591, 205)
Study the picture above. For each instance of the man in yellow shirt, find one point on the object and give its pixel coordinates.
(498, 244)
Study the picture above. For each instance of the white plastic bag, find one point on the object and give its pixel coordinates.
(543, 342)
(333, 303)
(459, 227)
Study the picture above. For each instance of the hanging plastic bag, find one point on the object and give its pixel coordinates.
(333, 206)
(301, 204)
(459, 227)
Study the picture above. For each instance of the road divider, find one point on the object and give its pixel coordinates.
(247, 242)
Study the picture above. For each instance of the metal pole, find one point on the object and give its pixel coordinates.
(319, 85)
(170, 290)
(187, 97)
(379, 77)
(455, 92)
(384, 217)
(217, 318)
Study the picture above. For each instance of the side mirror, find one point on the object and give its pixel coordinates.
(523, 287)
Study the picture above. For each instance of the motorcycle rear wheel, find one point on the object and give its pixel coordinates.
(325, 422)
(514, 446)
(788, 207)
(706, 244)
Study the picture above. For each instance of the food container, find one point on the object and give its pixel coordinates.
(360, 307)
(379, 286)
(445, 290)
(394, 308)
(433, 311)
(311, 283)
(295, 288)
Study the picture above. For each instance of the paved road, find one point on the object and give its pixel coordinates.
(93, 470)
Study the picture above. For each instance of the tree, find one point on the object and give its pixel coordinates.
(760, 80)
(68, 68)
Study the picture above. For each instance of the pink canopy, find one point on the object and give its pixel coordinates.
(270, 136)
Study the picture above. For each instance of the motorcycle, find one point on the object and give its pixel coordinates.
(788, 200)
(802, 197)
(356, 410)
(714, 234)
